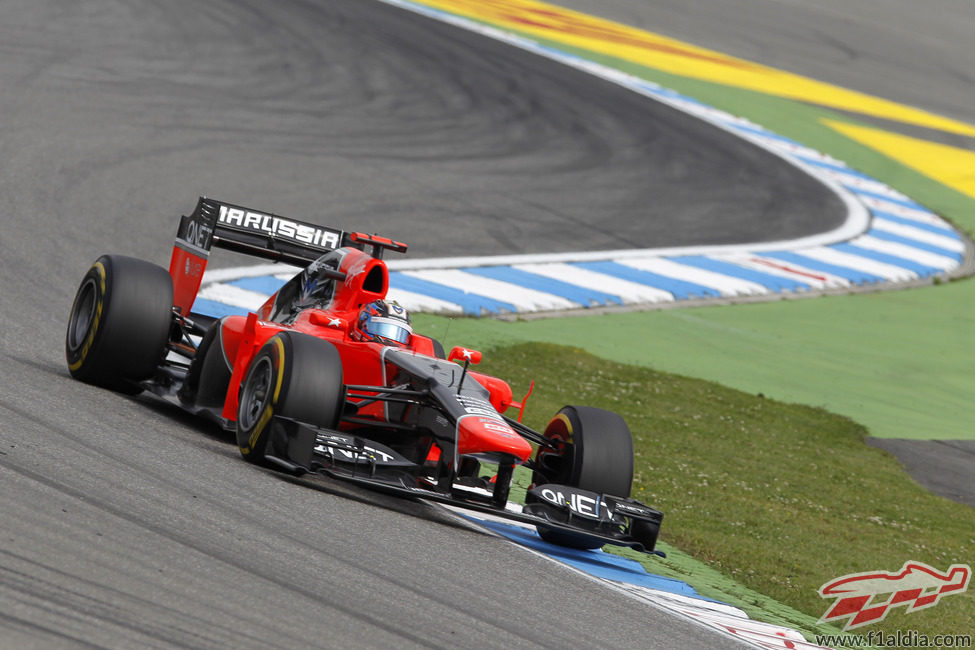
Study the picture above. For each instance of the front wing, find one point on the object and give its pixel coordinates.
(298, 449)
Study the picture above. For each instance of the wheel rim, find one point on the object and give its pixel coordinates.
(257, 392)
(83, 315)
(557, 464)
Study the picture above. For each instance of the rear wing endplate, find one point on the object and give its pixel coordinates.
(252, 232)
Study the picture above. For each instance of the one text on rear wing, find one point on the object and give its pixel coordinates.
(253, 232)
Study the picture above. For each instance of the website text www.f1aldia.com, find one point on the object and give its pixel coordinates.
(898, 639)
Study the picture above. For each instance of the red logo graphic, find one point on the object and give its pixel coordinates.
(916, 585)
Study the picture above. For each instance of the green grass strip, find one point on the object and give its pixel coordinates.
(898, 362)
(775, 498)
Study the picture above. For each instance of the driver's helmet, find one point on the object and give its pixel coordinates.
(384, 322)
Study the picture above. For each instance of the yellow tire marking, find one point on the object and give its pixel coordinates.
(564, 419)
(99, 303)
(278, 355)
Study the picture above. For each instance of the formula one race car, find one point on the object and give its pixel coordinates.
(328, 377)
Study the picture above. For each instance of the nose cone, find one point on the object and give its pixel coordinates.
(477, 434)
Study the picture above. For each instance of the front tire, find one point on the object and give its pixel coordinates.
(294, 376)
(594, 451)
(119, 324)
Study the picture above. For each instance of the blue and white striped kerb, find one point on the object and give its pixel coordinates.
(886, 239)
(902, 242)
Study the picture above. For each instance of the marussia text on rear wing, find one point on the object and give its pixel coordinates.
(253, 232)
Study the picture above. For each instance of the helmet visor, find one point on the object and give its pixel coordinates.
(389, 328)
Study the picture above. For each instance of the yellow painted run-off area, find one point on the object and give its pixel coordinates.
(948, 165)
(604, 37)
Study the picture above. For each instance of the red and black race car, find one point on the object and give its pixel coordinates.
(328, 377)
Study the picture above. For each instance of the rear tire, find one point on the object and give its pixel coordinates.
(295, 376)
(594, 452)
(120, 322)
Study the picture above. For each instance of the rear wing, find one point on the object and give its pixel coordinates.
(261, 234)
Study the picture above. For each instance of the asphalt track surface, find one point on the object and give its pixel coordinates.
(125, 524)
